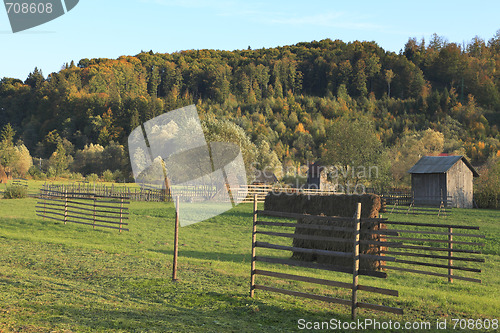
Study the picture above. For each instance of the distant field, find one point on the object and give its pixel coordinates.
(70, 278)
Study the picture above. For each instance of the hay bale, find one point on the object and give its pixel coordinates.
(366, 264)
(330, 205)
(335, 206)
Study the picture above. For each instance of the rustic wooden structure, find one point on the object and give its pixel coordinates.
(430, 243)
(83, 208)
(410, 245)
(434, 178)
(20, 182)
(279, 245)
(316, 177)
(444, 209)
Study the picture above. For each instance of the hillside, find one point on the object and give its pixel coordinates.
(286, 97)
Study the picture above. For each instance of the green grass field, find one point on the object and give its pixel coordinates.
(70, 278)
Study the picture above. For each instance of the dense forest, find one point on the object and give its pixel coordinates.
(432, 97)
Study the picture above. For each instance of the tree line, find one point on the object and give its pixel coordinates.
(288, 100)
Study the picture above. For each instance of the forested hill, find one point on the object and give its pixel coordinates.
(284, 96)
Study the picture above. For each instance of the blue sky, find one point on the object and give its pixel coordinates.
(110, 28)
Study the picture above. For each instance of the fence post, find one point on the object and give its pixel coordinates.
(44, 197)
(121, 213)
(176, 239)
(254, 238)
(450, 254)
(355, 265)
(65, 206)
(379, 246)
(94, 211)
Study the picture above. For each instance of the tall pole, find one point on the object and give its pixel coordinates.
(176, 240)
(254, 238)
(355, 265)
(450, 255)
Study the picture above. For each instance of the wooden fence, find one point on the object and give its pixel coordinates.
(83, 208)
(423, 241)
(354, 271)
(400, 198)
(20, 182)
(422, 206)
(262, 190)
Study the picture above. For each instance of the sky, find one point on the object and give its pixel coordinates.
(112, 28)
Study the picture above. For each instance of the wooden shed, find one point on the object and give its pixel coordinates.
(316, 178)
(436, 179)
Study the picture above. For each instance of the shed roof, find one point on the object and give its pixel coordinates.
(439, 164)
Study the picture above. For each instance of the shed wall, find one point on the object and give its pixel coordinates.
(428, 188)
(460, 185)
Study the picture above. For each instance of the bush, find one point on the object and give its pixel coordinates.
(118, 176)
(92, 178)
(34, 172)
(51, 172)
(15, 192)
(108, 176)
(76, 176)
(43, 176)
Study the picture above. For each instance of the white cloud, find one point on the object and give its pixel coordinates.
(329, 19)
(269, 13)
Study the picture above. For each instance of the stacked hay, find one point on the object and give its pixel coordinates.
(332, 205)
(329, 205)
(334, 245)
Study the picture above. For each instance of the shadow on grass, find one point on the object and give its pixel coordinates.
(215, 256)
(219, 313)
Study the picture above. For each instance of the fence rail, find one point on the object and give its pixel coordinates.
(20, 182)
(354, 270)
(261, 191)
(425, 248)
(423, 206)
(83, 208)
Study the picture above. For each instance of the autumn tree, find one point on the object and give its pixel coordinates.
(389, 75)
(8, 154)
(352, 149)
(410, 148)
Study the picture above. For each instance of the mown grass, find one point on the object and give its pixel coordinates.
(56, 277)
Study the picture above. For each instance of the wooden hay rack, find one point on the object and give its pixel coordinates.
(354, 271)
(83, 208)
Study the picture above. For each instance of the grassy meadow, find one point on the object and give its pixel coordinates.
(71, 278)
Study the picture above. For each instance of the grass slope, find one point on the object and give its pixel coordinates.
(70, 278)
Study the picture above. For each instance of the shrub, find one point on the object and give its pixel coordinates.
(76, 176)
(51, 172)
(34, 171)
(118, 176)
(15, 192)
(43, 176)
(108, 176)
(92, 178)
